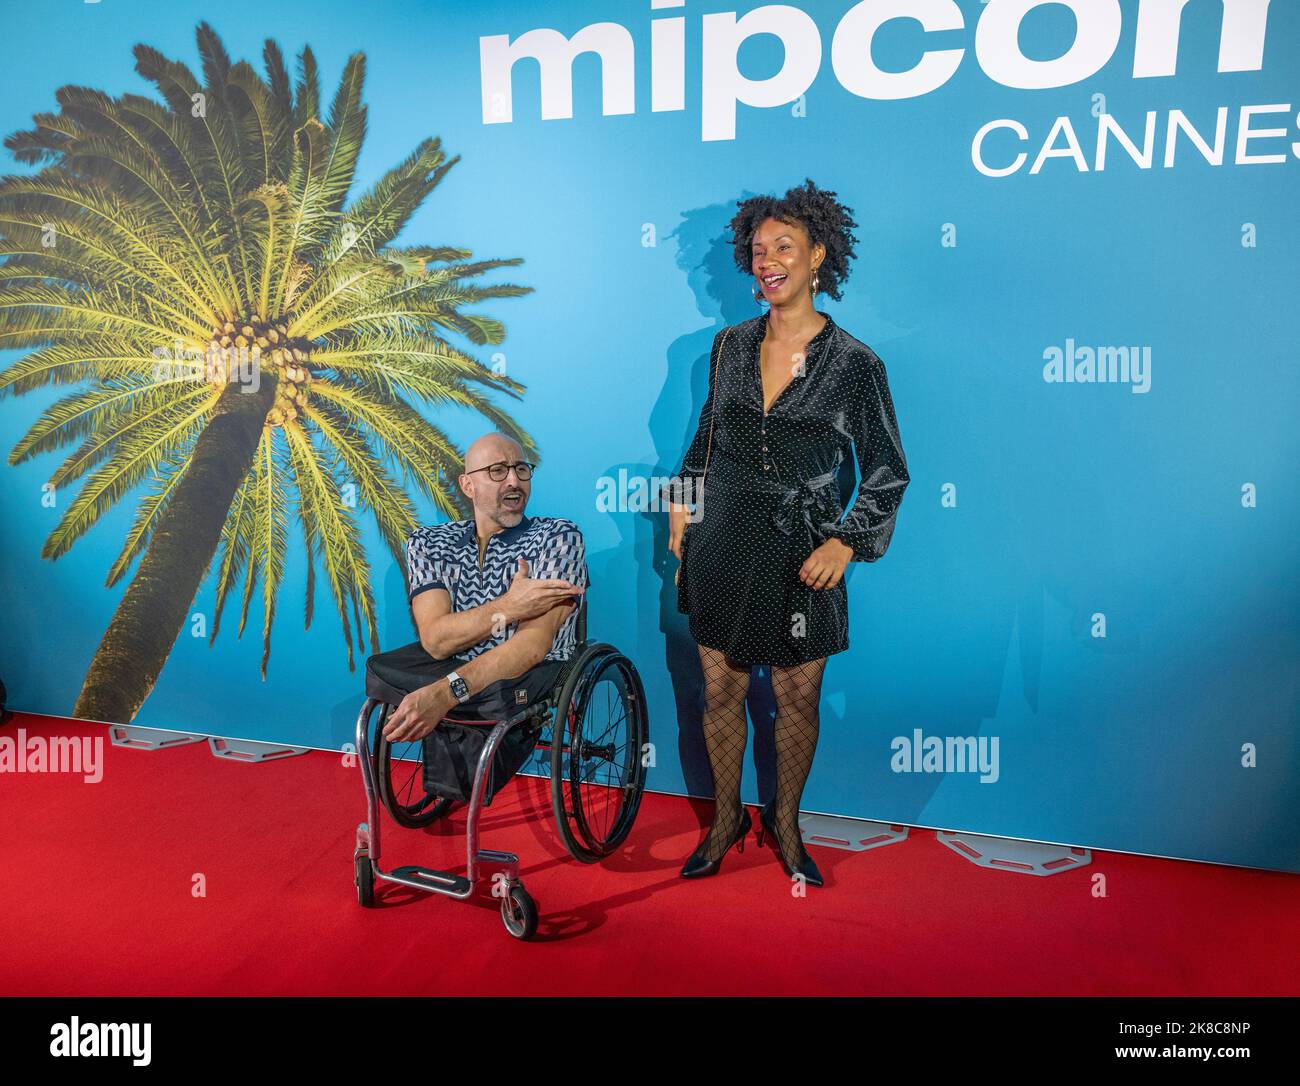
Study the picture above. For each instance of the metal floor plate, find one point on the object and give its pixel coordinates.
(128, 735)
(851, 834)
(1006, 854)
(246, 750)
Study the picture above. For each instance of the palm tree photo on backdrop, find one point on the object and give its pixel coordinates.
(251, 345)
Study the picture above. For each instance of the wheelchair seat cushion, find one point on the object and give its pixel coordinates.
(391, 675)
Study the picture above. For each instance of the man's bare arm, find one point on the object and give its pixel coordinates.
(525, 649)
(444, 632)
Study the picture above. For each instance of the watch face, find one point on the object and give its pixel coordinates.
(459, 687)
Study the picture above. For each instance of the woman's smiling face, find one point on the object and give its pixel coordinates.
(784, 259)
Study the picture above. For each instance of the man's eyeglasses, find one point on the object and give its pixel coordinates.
(498, 472)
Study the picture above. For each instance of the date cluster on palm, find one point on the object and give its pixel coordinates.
(271, 348)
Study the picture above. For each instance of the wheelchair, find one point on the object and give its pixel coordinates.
(593, 722)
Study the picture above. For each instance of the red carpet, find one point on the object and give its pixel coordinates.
(99, 902)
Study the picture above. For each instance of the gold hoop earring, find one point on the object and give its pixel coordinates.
(814, 282)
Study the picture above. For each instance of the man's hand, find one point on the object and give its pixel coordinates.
(420, 712)
(825, 566)
(528, 598)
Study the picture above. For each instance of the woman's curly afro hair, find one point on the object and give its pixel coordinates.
(824, 218)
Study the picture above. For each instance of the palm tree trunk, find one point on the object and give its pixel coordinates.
(148, 620)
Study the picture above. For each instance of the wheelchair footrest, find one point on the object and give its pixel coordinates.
(442, 881)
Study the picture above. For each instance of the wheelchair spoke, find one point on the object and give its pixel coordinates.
(400, 775)
(597, 768)
(408, 782)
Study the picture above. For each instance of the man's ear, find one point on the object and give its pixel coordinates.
(466, 485)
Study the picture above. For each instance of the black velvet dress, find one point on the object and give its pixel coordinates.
(771, 495)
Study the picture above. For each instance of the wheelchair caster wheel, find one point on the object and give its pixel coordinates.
(364, 878)
(519, 914)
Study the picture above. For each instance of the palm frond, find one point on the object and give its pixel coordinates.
(102, 413)
(236, 547)
(347, 127)
(77, 359)
(394, 513)
(269, 539)
(133, 458)
(342, 556)
(153, 505)
(306, 106)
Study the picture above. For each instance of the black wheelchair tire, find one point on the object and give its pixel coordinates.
(590, 661)
(364, 879)
(519, 913)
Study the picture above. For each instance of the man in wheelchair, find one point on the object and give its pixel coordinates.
(494, 600)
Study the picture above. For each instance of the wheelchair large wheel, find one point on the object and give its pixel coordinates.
(597, 743)
(399, 770)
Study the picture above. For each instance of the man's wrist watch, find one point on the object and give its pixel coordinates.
(459, 687)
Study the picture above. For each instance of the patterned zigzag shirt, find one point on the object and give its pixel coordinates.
(446, 556)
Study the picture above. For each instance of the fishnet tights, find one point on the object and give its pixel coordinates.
(725, 732)
(798, 691)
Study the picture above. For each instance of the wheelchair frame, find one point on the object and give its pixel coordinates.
(518, 911)
(427, 879)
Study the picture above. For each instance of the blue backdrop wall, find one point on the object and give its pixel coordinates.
(1099, 577)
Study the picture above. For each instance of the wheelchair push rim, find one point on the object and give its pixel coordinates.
(399, 772)
(598, 738)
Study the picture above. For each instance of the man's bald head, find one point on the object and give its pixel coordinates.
(492, 448)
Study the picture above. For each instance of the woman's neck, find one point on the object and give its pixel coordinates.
(794, 323)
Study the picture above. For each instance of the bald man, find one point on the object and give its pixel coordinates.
(494, 597)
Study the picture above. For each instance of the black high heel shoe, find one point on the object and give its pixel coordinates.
(806, 867)
(767, 825)
(697, 867)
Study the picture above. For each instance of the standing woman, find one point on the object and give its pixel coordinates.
(762, 569)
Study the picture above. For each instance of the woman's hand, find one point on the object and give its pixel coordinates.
(825, 567)
(677, 515)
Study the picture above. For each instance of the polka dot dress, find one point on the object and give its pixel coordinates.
(771, 494)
